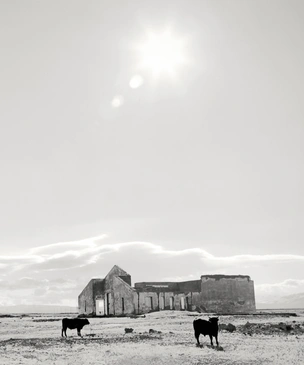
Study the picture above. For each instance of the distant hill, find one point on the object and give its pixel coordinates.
(37, 309)
(286, 302)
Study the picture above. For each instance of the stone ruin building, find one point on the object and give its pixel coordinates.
(114, 295)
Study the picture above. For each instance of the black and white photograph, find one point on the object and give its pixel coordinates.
(151, 182)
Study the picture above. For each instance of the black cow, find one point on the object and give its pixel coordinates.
(206, 328)
(72, 324)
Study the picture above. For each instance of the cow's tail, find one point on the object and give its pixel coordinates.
(194, 324)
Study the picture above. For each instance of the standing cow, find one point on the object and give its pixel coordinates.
(206, 328)
(73, 323)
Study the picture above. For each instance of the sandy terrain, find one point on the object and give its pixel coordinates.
(37, 340)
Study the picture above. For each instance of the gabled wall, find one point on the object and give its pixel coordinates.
(98, 287)
(117, 271)
(122, 290)
(116, 287)
(86, 299)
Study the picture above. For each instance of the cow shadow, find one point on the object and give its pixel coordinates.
(216, 348)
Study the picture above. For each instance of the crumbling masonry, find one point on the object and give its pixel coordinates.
(114, 295)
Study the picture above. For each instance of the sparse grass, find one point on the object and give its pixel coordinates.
(104, 341)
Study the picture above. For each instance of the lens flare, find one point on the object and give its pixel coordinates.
(136, 81)
(161, 53)
(117, 101)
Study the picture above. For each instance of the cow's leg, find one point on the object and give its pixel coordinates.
(62, 332)
(197, 334)
(211, 340)
(78, 332)
(216, 340)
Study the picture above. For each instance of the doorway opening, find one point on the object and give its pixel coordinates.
(108, 300)
(182, 303)
(100, 307)
(171, 303)
(149, 303)
(161, 303)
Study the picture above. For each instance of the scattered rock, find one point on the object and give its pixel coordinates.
(46, 320)
(227, 327)
(231, 327)
(284, 327)
(6, 316)
(82, 316)
(223, 326)
(134, 316)
(270, 328)
(217, 348)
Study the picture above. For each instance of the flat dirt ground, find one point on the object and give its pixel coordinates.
(265, 340)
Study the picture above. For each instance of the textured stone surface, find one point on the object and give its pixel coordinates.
(228, 295)
(213, 293)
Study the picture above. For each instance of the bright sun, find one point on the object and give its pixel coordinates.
(161, 53)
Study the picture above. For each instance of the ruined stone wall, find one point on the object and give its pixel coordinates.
(149, 301)
(196, 301)
(109, 290)
(157, 285)
(234, 294)
(189, 286)
(98, 287)
(85, 299)
(126, 278)
(123, 298)
(117, 294)
(155, 296)
(213, 293)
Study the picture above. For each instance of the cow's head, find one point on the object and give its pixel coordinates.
(86, 321)
(214, 320)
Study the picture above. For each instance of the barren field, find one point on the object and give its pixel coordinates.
(266, 339)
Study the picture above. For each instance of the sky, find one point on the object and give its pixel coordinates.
(164, 137)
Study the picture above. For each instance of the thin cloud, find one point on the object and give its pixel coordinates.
(270, 292)
(31, 283)
(181, 278)
(18, 262)
(59, 271)
(85, 243)
(67, 255)
(286, 284)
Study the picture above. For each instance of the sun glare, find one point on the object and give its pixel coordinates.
(161, 53)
